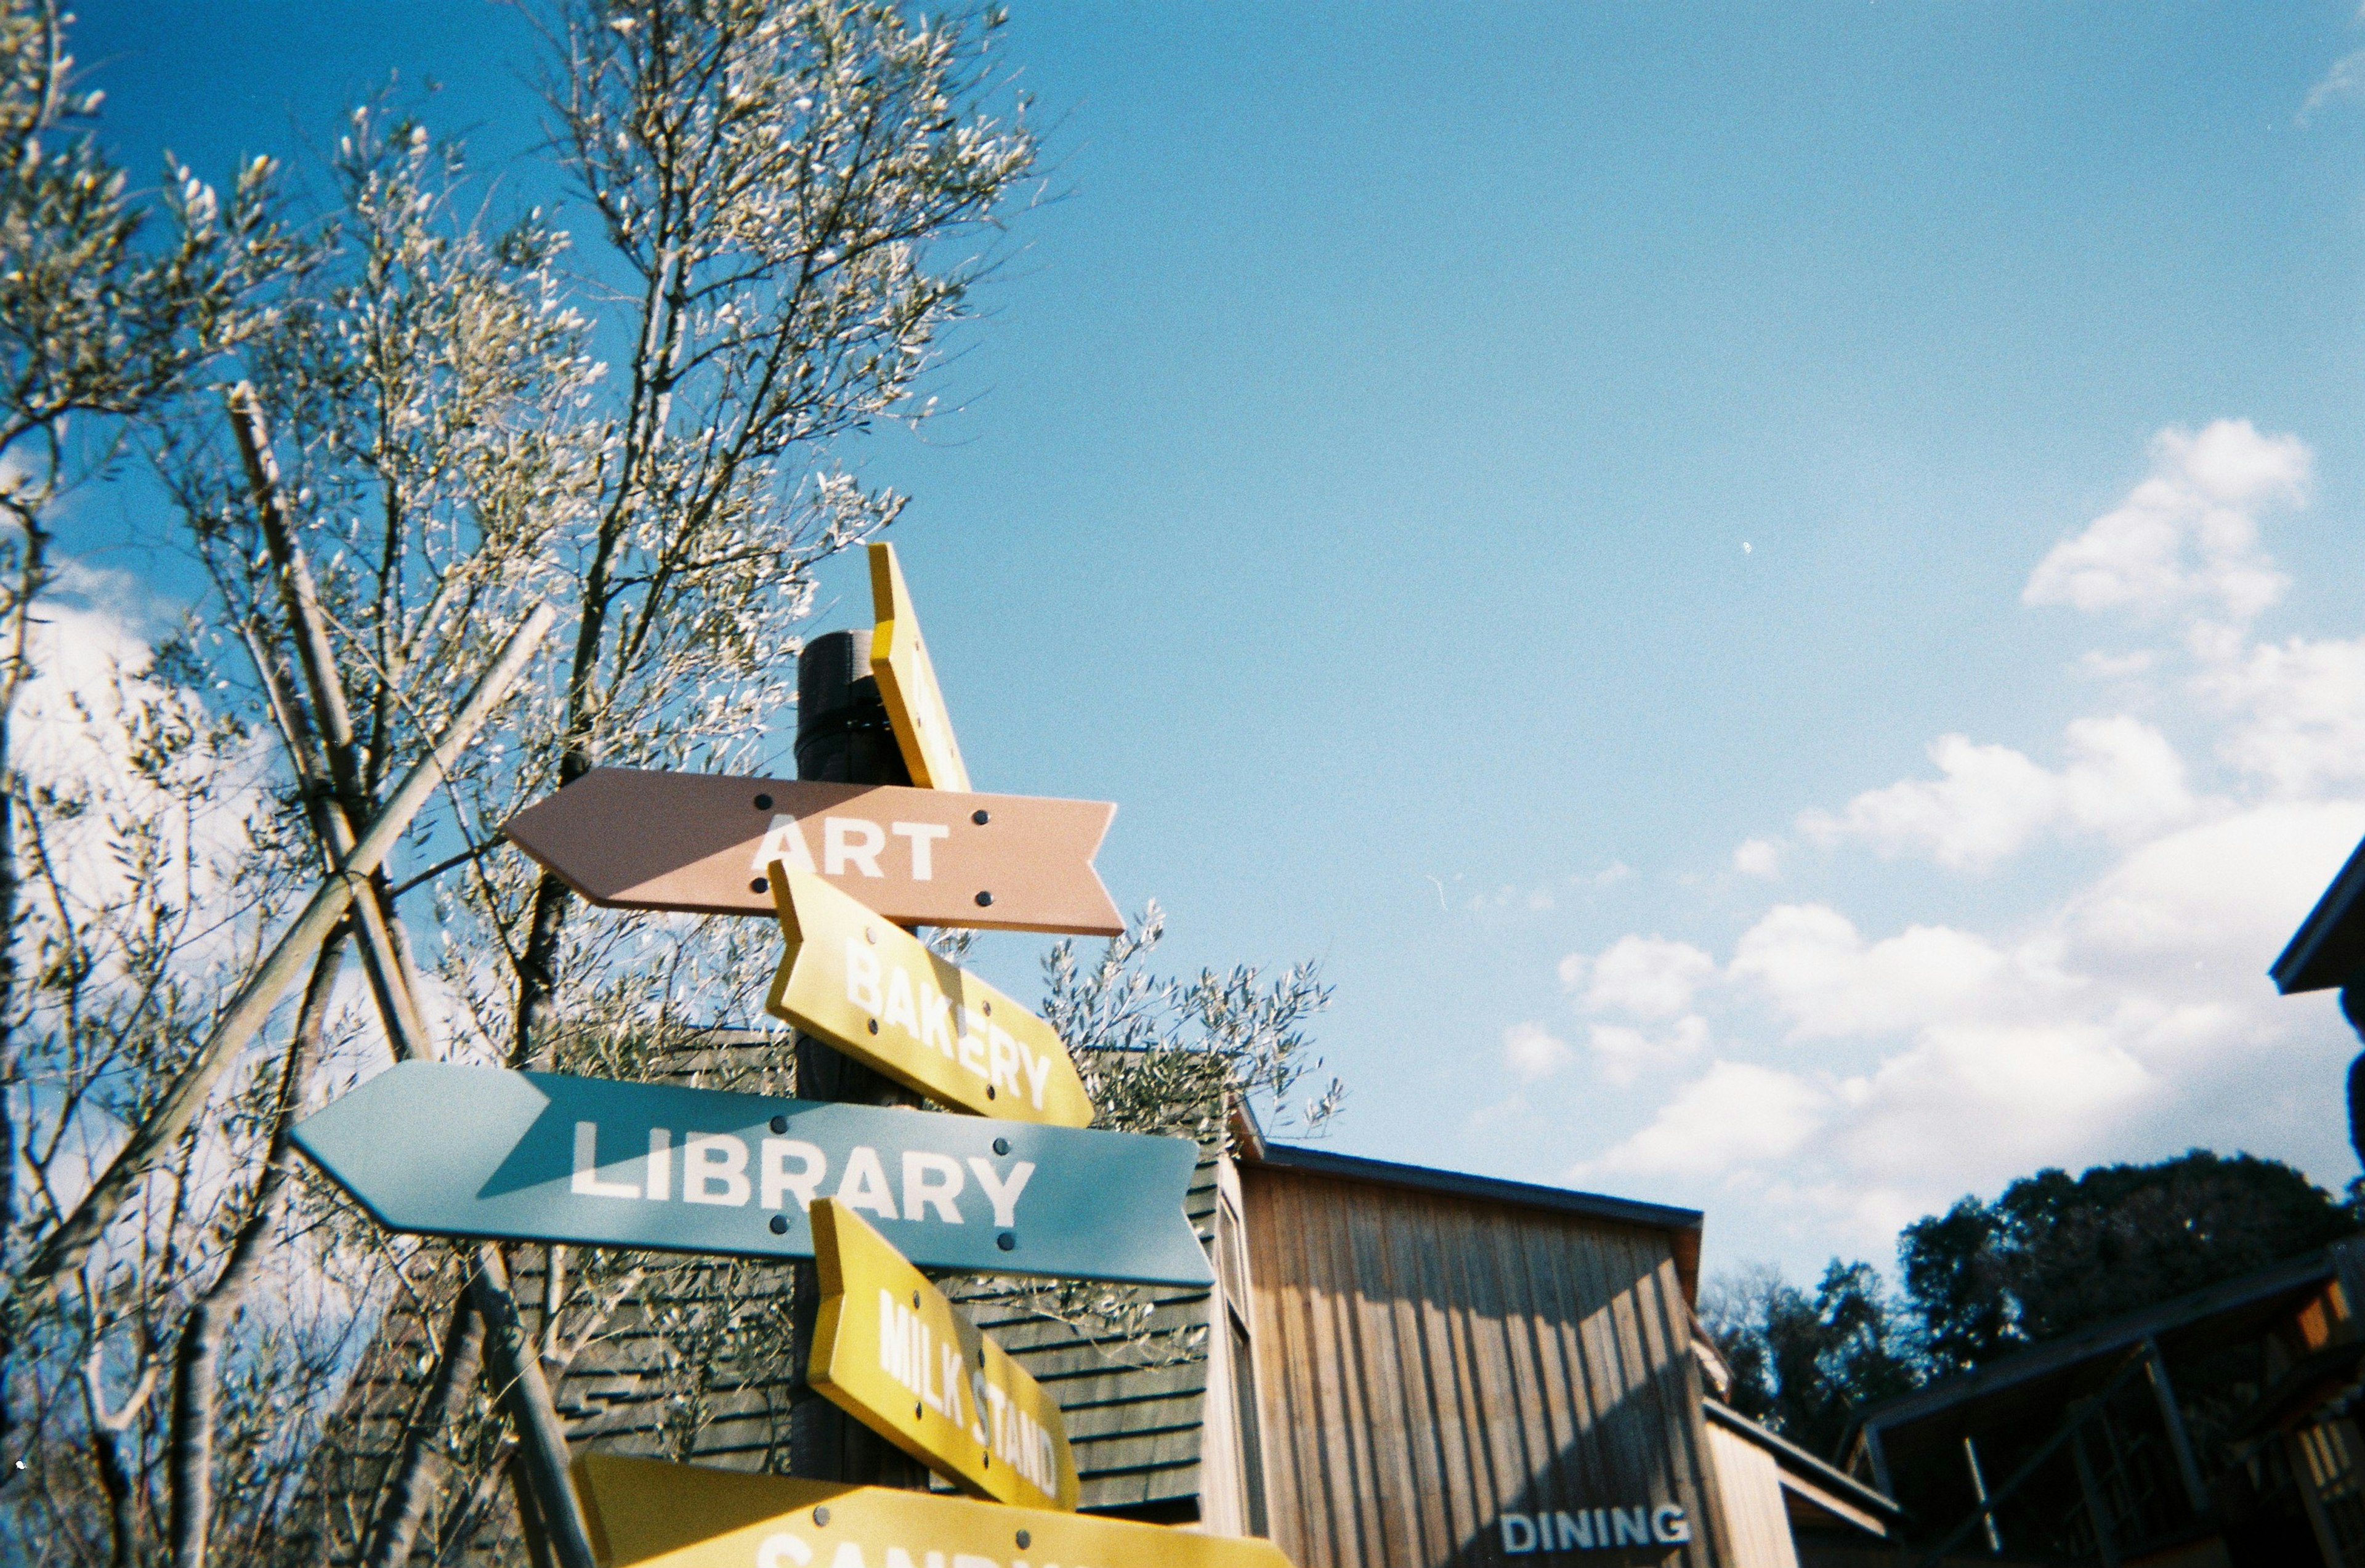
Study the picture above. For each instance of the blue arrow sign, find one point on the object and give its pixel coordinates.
(475, 1151)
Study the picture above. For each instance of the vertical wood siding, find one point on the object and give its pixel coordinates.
(1757, 1519)
(1427, 1363)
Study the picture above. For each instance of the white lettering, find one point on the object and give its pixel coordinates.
(715, 1170)
(1577, 1531)
(1005, 1057)
(587, 1168)
(919, 1193)
(935, 1019)
(782, 1550)
(660, 1163)
(924, 867)
(976, 1387)
(1519, 1535)
(813, 1165)
(861, 975)
(1668, 1526)
(784, 841)
(972, 1046)
(1633, 1526)
(898, 1001)
(965, 1560)
(892, 1358)
(923, 1356)
(1002, 1195)
(948, 1367)
(848, 1555)
(851, 841)
(1039, 1071)
(864, 1185)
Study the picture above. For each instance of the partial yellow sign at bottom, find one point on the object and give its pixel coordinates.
(647, 1514)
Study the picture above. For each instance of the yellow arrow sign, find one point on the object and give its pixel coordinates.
(915, 704)
(899, 1355)
(646, 1513)
(875, 992)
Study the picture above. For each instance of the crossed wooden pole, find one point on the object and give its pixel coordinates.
(320, 748)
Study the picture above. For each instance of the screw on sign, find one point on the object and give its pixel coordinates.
(895, 1352)
(647, 1514)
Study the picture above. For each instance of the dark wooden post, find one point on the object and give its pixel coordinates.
(843, 737)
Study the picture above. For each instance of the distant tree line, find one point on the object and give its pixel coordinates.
(2053, 1254)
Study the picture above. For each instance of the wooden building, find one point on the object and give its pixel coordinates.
(2215, 1430)
(1413, 1368)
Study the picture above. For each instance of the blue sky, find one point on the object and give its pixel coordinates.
(1456, 477)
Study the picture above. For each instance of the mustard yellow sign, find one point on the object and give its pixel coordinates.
(915, 704)
(898, 1356)
(643, 1513)
(875, 991)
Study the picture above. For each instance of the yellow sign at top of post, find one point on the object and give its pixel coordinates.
(915, 704)
(899, 1355)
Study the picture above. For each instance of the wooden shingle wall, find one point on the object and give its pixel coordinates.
(1134, 1424)
(1427, 1363)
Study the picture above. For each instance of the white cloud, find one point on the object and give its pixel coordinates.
(2345, 80)
(2123, 781)
(1868, 1073)
(1758, 858)
(2228, 892)
(1623, 1053)
(2298, 711)
(1989, 1100)
(1738, 1114)
(1532, 1051)
(1644, 976)
(1826, 981)
(2189, 533)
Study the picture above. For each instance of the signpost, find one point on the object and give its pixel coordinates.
(894, 1351)
(627, 838)
(443, 1150)
(646, 1513)
(873, 1194)
(915, 705)
(878, 993)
